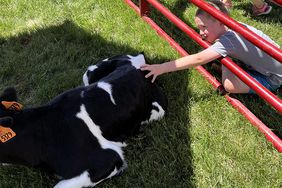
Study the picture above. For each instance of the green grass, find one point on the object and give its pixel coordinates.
(45, 47)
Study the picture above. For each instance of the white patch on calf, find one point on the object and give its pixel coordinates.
(85, 77)
(92, 67)
(82, 94)
(77, 182)
(137, 61)
(108, 88)
(82, 180)
(5, 164)
(144, 122)
(96, 131)
(155, 115)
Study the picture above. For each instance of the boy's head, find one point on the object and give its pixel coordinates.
(210, 28)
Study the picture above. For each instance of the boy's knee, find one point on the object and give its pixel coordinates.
(231, 87)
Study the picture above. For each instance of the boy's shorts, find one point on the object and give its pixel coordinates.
(263, 80)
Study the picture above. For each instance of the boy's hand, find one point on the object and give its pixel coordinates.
(154, 70)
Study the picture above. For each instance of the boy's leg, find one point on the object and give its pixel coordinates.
(258, 3)
(232, 83)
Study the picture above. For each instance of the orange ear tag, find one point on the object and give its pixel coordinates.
(6, 134)
(12, 106)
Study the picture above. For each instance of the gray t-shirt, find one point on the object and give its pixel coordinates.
(236, 46)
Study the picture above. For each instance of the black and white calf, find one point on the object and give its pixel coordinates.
(80, 134)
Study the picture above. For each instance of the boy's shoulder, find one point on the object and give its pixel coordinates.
(228, 39)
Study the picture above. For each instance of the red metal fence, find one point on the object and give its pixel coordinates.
(263, 44)
(279, 2)
(269, 97)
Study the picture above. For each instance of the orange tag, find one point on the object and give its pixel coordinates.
(13, 106)
(6, 134)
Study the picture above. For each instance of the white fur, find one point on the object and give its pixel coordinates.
(96, 131)
(77, 182)
(83, 180)
(92, 67)
(144, 122)
(82, 94)
(137, 61)
(5, 164)
(85, 78)
(155, 115)
(108, 88)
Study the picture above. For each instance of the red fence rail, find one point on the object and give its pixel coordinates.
(263, 44)
(144, 11)
(269, 97)
(278, 2)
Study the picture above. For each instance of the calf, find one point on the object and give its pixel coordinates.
(80, 134)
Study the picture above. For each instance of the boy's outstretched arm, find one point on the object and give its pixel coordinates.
(186, 62)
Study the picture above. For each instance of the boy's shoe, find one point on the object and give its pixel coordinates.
(265, 9)
(276, 3)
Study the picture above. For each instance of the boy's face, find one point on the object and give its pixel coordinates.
(210, 29)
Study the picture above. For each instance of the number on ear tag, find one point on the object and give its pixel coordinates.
(6, 134)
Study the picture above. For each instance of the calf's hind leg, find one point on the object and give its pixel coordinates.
(89, 178)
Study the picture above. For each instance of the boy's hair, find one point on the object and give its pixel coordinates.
(216, 4)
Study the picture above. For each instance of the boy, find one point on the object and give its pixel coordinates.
(263, 68)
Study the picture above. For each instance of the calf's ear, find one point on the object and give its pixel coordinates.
(6, 121)
(11, 106)
(9, 94)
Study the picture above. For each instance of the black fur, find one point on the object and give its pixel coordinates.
(52, 135)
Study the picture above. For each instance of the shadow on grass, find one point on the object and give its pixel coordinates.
(274, 16)
(267, 114)
(44, 63)
(270, 117)
(178, 9)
